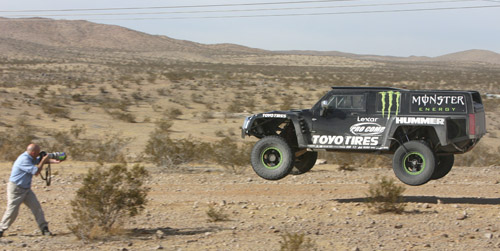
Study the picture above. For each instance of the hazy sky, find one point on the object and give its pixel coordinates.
(400, 33)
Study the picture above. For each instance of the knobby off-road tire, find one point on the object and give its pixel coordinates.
(444, 165)
(414, 163)
(304, 163)
(272, 158)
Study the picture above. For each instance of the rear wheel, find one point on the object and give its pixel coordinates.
(304, 163)
(414, 163)
(272, 158)
(444, 165)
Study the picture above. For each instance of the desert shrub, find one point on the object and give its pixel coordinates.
(205, 116)
(112, 103)
(220, 133)
(163, 126)
(296, 242)
(173, 113)
(385, 196)
(109, 148)
(15, 140)
(287, 102)
(230, 156)
(481, 155)
(163, 91)
(236, 106)
(216, 214)
(169, 153)
(122, 115)
(107, 196)
(55, 109)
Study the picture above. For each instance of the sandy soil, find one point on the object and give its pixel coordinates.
(458, 212)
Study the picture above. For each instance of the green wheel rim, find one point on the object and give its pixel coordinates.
(414, 163)
(271, 158)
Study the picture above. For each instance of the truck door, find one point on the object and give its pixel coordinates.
(343, 123)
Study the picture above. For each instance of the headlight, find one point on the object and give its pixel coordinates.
(246, 122)
(244, 128)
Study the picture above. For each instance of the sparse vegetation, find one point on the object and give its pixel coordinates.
(481, 155)
(385, 196)
(230, 156)
(74, 98)
(296, 242)
(107, 196)
(14, 140)
(216, 213)
(79, 146)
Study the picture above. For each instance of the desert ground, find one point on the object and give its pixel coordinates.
(458, 212)
(326, 205)
(71, 87)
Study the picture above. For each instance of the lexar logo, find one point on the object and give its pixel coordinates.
(388, 98)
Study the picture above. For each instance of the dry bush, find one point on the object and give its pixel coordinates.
(216, 214)
(14, 140)
(385, 196)
(122, 115)
(296, 242)
(107, 196)
(287, 102)
(173, 113)
(481, 155)
(112, 103)
(55, 109)
(173, 153)
(230, 156)
(163, 91)
(109, 149)
(166, 152)
(235, 106)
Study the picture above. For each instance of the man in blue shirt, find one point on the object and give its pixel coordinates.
(19, 188)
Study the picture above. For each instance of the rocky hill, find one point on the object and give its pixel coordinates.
(472, 56)
(65, 39)
(35, 37)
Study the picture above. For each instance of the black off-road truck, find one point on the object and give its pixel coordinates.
(423, 129)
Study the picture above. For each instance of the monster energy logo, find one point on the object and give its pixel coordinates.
(390, 95)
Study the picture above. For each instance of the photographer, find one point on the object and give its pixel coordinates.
(19, 188)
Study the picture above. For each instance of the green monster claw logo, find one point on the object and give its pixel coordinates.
(391, 95)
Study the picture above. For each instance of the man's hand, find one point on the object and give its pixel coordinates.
(55, 161)
(44, 160)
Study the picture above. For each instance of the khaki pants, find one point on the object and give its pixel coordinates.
(15, 196)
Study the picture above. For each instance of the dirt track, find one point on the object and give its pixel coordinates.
(325, 204)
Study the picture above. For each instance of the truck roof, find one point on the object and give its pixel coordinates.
(366, 88)
(372, 88)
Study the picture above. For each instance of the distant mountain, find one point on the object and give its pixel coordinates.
(469, 56)
(472, 56)
(62, 39)
(37, 35)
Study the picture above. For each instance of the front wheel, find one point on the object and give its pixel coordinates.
(272, 158)
(414, 163)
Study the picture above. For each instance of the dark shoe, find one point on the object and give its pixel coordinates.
(1, 233)
(46, 232)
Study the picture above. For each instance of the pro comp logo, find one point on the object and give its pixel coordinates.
(367, 129)
(390, 102)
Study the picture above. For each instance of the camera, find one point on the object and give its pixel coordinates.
(55, 155)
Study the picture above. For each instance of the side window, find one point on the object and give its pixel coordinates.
(347, 102)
